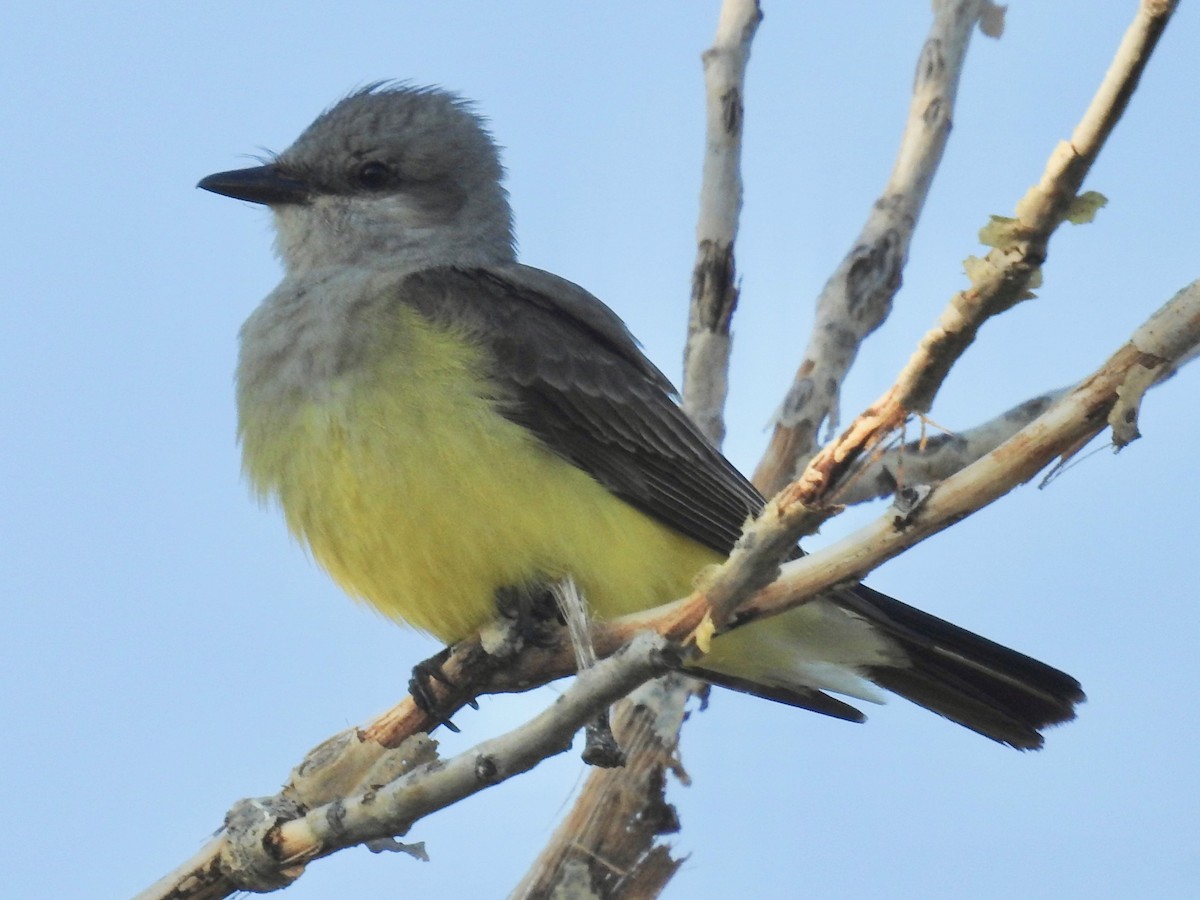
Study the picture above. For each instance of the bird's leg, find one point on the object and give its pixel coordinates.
(533, 611)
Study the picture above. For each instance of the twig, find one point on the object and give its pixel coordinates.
(392, 809)
(1004, 277)
(858, 295)
(1153, 353)
(928, 461)
(714, 292)
(608, 839)
(268, 851)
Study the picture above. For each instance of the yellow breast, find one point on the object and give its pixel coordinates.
(418, 497)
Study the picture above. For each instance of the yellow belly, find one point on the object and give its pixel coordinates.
(418, 497)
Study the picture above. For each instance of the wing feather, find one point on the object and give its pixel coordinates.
(570, 372)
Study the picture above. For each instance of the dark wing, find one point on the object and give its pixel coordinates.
(572, 374)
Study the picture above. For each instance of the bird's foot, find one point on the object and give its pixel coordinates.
(420, 686)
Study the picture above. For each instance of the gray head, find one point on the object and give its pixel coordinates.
(398, 176)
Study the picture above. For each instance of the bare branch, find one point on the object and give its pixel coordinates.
(858, 296)
(928, 461)
(609, 837)
(714, 293)
(1152, 354)
(1004, 277)
(269, 841)
(933, 459)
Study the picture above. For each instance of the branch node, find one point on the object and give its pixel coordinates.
(601, 748)
(486, 769)
(1123, 417)
(249, 855)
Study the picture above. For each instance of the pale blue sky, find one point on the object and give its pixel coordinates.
(169, 649)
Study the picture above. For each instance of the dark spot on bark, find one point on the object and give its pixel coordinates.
(935, 112)
(797, 398)
(731, 111)
(486, 768)
(336, 816)
(713, 292)
(930, 63)
(874, 276)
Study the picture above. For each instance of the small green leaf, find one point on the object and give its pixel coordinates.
(1002, 232)
(976, 268)
(1083, 208)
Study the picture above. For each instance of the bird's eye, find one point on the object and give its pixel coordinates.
(373, 175)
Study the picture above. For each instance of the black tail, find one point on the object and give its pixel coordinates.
(982, 685)
(995, 691)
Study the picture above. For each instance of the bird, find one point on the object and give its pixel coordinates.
(444, 427)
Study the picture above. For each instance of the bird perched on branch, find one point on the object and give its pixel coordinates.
(444, 426)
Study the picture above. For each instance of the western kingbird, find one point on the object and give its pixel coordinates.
(442, 426)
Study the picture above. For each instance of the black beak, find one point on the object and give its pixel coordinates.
(261, 184)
